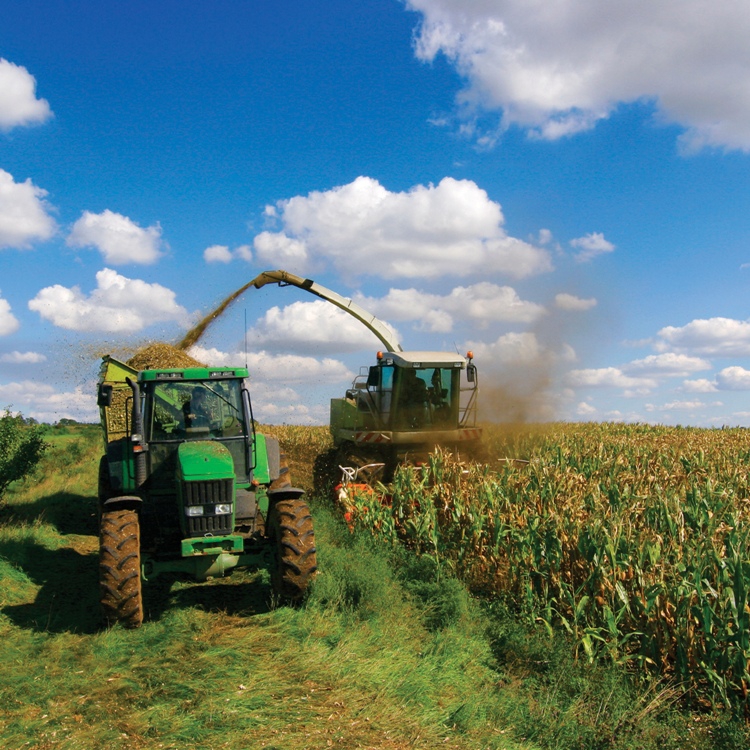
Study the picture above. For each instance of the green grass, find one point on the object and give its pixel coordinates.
(387, 652)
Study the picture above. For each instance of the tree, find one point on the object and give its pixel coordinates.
(21, 448)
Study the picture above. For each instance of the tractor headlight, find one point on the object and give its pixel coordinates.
(223, 509)
(194, 510)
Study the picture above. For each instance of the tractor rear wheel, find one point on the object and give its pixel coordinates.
(291, 530)
(120, 568)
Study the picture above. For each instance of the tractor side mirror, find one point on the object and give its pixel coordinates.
(104, 397)
(471, 373)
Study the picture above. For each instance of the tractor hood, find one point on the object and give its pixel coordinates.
(204, 460)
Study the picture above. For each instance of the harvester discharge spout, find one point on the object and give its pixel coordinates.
(284, 278)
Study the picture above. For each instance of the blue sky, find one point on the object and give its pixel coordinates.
(562, 187)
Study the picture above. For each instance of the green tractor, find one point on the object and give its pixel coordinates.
(187, 486)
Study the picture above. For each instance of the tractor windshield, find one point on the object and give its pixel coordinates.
(185, 410)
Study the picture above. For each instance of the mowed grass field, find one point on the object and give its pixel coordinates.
(409, 638)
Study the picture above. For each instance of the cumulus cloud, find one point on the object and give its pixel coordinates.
(24, 216)
(715, 337)
(222, 254)
(480, 303)
(700, 385)
(680, 406)
(217, 254)
(733, 379)
(118, 304)
(591, 246)
(18, 101)
(8, 322)
(452, 228)
(667, 365)
(559, 68)
(279, 368)
(314, 327)
(23, 358)
(570, 302)
(119, 239)
(585, 410)
(609, 377)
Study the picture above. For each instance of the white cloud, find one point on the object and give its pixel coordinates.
(733, 379)
(23, 358)
(559, 68)
(279, 368)
(680, 406)
(24, 215)
(481, 304)
(118, 304)
(566, 301)
(715, 337)
(8, 322)
(222, 254)
(119, 239)
(608, 377)
(315, 327)
(18, 102)
(217, 254)
(701, 385)
(585, 410)
(452, 228)
(277, 249)
(667, 365)
(591, 246)
(243, 252)
(42, 402)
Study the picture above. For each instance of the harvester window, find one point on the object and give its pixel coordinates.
(412, 399)
(426, 398)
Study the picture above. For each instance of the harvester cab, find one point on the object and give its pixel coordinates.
(187, 486)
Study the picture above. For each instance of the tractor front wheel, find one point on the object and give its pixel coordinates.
(291, 530)
(120, 568)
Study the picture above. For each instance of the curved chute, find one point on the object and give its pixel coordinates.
(284, 278)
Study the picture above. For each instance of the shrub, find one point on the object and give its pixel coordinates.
(21, 448)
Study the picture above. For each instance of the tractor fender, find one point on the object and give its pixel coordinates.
(122, 502)
(273, 456)
(285, 493)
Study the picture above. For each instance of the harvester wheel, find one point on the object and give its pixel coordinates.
(291, 529)
(120, 568)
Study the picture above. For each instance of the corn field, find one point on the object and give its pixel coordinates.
(632, 538)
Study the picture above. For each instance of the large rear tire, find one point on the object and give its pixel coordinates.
(295, 561)
(120, 568)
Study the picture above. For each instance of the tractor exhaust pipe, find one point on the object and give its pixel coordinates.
(139, 449)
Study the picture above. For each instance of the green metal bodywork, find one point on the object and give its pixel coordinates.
(202, 460)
